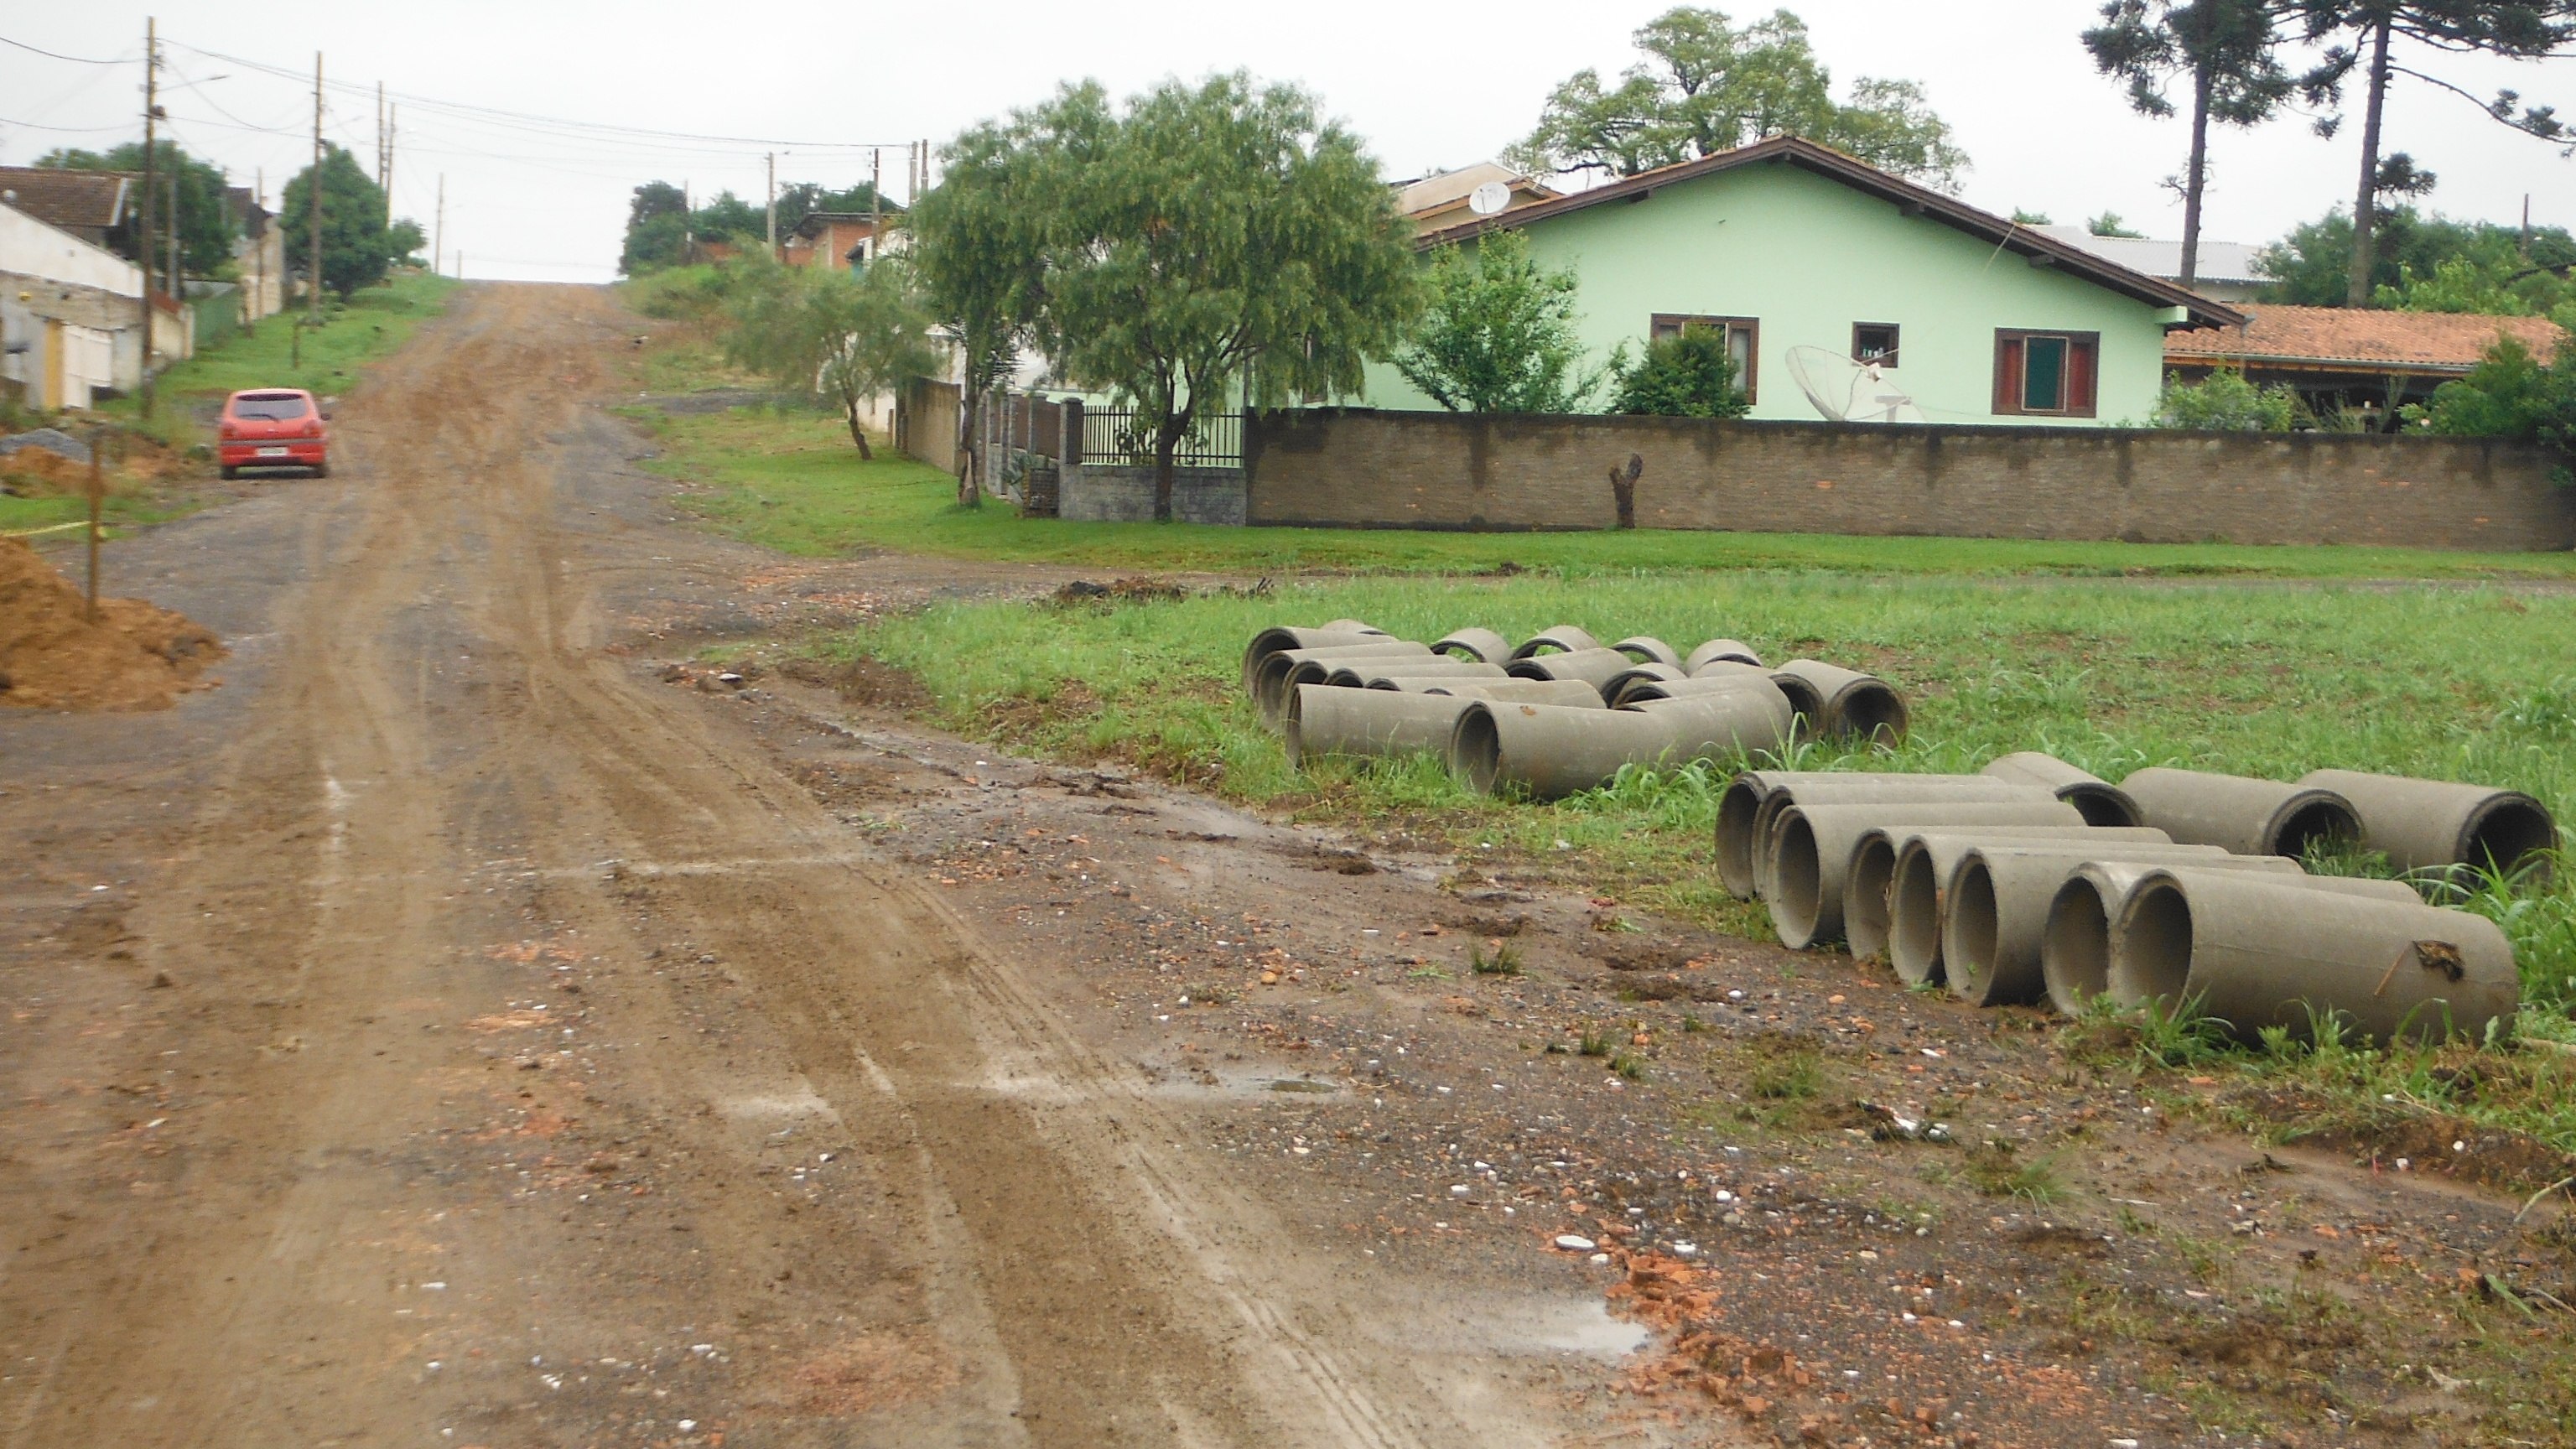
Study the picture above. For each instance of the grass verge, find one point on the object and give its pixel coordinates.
(2462, 683)
(789, 480)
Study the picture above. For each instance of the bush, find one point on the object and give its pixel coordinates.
(2510, 394)
(1684, 376)
(2225, 402)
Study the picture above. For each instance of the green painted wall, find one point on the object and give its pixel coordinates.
(1809, 257)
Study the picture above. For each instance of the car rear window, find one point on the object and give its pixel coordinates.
(275, 407)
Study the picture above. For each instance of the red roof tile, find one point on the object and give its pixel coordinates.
(92, 199)
(2345, 338)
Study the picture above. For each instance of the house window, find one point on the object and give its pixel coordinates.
(2046, 374)
(1874, 342)
(1743, 340)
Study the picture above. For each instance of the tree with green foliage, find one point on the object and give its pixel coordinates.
(1706, 85)
(842, 336)
(657, 229)
(359, 243)
(2225, 51)
(1209, 244)
(2022, 216)
(980, 243)
(2426, 263)
(2226, 402)
(2359, 36)
(207, 226)
(804, 198)
(1496, 333)
(1687, 375)
(728, 217)
(2110, 224)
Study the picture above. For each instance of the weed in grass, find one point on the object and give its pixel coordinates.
(1505, 960)
(1692, 1023)
(1594, 1043)
(1790, 1076)
(1996, 1169)
(1628, 1065)
(1427, 973)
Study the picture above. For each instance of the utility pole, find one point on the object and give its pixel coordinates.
(143, 219)
(380, 135)
(258, 251)
(393, 135)
(773, 206)
(876, 202)
(313, 277)
(438, 229)
(172, 274)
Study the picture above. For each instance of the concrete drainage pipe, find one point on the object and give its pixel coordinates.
(1561, 638)
(1483, 646)
(1271, 682)
(1639, 691)
(1283, 638)
(1745, 812)
(1616, 687)
(1324, 720)
(2241, 815)
(1571, 693)
(1366, 673)
(1552, 751)
(2436, 825)
(1918, 900)
(2076, 944)
(1804, 865)
(1647, 649)
(1861, 706)
(1413, 678)
(1869, 878)
(1997, 909)
(1720, 651)
(2102, 802)
(2256, 952)
(1595, 667)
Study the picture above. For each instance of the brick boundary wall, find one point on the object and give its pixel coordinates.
(1361, 468)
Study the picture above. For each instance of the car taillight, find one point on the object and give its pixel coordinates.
(225, 429)
(313, 429)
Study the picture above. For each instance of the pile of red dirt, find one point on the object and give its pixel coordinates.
(53, 657)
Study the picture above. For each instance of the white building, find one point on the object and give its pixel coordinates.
(67, 316)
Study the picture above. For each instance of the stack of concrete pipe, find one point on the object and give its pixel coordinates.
(2035, 880)
(1557, 713)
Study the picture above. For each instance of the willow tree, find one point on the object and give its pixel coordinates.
(1212, 246)
(842, 337)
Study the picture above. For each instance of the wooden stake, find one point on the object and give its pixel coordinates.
(97, 493)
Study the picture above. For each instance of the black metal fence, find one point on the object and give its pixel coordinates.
(1119, 437)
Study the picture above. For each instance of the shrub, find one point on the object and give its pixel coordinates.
(2226, 402)
(1683, 376)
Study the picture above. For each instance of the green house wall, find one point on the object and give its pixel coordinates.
(1808, 257)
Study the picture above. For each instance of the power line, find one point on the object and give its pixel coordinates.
(74, 59)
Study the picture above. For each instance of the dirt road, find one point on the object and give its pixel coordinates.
(447, 1035)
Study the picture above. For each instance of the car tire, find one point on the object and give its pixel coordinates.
(321, 470)
(228, 472)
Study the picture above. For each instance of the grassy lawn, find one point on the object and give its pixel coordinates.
(789, 480)
(2470, 684)
(153, 486)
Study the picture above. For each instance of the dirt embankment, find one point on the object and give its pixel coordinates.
(53, 656)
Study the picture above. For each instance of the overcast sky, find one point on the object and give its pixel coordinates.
(1426, 85)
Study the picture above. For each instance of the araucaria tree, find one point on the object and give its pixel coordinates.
(833, 334)
(1707, 85)
(2224, 53)
(1206, 247)
(1497, 333)
(2361, 38)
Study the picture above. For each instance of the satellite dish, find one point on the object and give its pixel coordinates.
(1845, 391)
(1489, 199)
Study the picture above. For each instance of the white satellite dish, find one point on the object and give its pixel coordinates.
(1489, 199)
(1845, 391)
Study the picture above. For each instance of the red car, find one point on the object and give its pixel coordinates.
(272, 427)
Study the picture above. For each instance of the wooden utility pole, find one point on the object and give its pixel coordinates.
(258, 250)
(174, 274)
(313, 278)
(438, 230)
(393, 137)
(773, 206)
(876, 202)
(380, 135)
(143, 218)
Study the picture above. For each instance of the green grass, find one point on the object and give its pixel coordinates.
(790, 481)
(2468, 683)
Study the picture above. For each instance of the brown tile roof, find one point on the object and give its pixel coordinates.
(2347, 339)
(2008, 236)
(92, 199)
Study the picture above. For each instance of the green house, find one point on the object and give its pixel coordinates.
(1846, 292)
